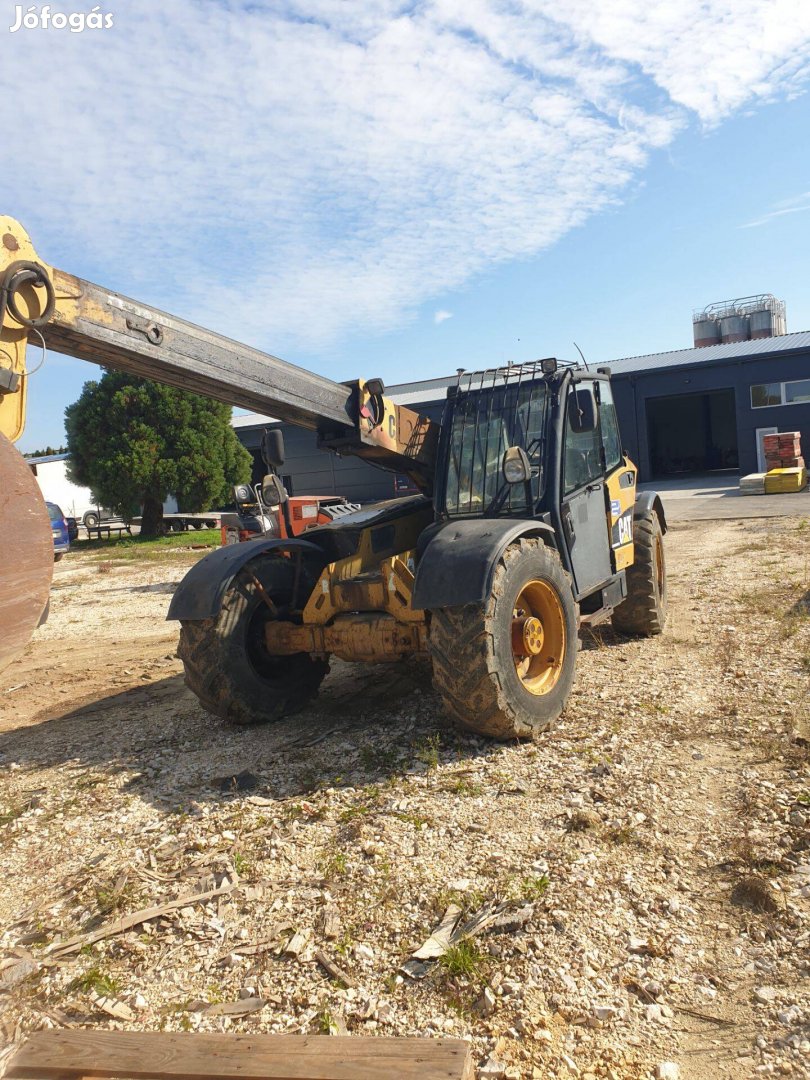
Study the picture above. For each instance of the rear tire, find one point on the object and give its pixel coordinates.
(488, 688)
(91, 521)
(226, 662)
(644, 612)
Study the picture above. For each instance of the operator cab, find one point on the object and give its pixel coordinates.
(541, 441)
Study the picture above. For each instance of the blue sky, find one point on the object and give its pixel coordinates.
(396, 189)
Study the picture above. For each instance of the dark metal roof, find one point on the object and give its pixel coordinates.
(738, 350)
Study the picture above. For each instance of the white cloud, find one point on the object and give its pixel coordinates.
(799, 204)
(287, 174)
(442, 316)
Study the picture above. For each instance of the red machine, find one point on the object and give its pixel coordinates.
(255, 519)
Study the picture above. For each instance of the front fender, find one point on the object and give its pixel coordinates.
(457, 562)
(648, 503)
(200, 593)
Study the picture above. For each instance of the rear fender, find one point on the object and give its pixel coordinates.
(200, 593)
(648, 503)
(457, 560)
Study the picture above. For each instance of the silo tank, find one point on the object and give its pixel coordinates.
(762, 324)
(707, 332)
(734, 328)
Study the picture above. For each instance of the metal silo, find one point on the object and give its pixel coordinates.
(767, 317)
(761, 323)
(706, 331)
(733, 327)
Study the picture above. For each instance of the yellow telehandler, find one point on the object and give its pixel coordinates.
(527, 524)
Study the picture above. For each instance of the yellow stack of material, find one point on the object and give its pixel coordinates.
(782, 481)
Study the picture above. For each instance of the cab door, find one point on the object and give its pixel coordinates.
(584, 500)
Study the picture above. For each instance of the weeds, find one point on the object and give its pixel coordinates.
(242, 864)
(94, 979)
(13, 812)
(427, 749)
(623, 834)
(113, 899)
(533, 888)
(346, 943)
(466, 787)
(463, 960)
(326, 1021)
(334, 865)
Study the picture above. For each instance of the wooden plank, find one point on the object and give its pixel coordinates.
(73, 1055)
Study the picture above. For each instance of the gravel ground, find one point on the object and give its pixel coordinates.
(646, 865)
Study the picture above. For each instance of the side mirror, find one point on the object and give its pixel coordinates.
(273, 491)
(582, 411)
(516, 467)
(273, 449)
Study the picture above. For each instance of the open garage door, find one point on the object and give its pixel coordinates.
(692, 433)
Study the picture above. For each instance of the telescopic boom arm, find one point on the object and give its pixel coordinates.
(40, 304)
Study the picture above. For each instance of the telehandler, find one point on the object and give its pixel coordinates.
(526, 527)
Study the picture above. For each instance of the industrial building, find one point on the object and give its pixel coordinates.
(681, 413)
(707, 409)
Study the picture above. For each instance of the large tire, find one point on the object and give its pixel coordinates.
(226, 661)
(484, 685)
(91, 520)
(644, 612)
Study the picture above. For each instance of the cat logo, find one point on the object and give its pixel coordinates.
(622, 531)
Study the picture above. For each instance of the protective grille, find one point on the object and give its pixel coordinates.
(493, 410)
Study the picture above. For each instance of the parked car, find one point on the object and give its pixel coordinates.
(97, 515)
(59, 528)
(73, 528)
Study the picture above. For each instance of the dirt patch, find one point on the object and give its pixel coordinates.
(679, 768)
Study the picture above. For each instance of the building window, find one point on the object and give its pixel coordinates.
(786, 393)
(796, 392)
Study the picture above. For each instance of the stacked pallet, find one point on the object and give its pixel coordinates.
(783, 451)
(783, 458)
(753, 484)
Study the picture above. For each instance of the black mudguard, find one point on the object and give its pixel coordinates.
(457, 559)
(200, 593)
(649, 503)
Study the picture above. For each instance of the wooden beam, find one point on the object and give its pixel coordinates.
(74, 1055)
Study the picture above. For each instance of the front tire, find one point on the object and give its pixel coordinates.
(505, 668)
(226, 662)
(644, 612)
(91, 521)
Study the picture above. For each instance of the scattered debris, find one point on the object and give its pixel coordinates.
(112, 1006)
(243, 781)
(333, 970)
(757, 893)
(243, 1007)
(59, 949)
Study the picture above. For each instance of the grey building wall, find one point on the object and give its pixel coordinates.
(320, 472)
(636, 381)
(632, 390)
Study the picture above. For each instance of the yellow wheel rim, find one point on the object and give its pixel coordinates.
(538, 637)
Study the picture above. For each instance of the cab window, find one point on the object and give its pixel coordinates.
(583, 455)
(611, 440)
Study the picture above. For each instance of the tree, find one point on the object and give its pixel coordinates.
(134, 442)
(49, 451)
